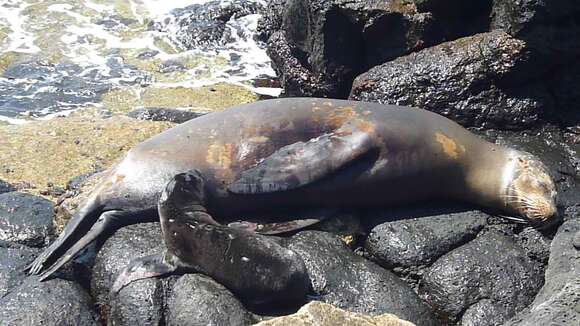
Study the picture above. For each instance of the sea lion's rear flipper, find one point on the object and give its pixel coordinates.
(107, 221)
(299, 164)
(76, 228)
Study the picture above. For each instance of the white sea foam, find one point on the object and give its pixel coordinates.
(93, 43)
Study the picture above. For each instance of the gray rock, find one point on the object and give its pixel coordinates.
(12, 263)
(350, 282)
(162, 114)
(141, 302)
(419, 241)
(535, 244)
(476, 81)
(25, 219)
(564, 263)
(492, 267)
(5, 187)
(318, 47)
(558, 301)
(198, 300)
(484, 312)
(51, 303)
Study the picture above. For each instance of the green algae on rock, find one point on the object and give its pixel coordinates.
(52, 152)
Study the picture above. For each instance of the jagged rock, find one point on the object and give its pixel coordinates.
(12, 263)
(321, 314)
(162, 114)
(198, 300)
(51, 303)
(557, 302)
(419, 241)
(318, 47)
(141, 302)
(489, 273)
(5, 187)
(350, 282)
(476, 81)
(25, 219)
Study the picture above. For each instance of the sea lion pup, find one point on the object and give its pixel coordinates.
(253, 266)
(309, 153)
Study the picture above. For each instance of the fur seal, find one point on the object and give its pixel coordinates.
(305, 153)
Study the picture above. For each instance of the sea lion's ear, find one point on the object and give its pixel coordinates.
(299, 164)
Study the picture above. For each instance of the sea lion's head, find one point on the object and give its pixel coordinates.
(529, 189)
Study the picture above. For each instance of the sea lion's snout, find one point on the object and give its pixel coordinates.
(532, 193)
(183, 187)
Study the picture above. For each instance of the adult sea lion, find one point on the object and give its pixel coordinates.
(258, 158)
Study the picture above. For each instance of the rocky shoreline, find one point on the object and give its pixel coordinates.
(510, 73)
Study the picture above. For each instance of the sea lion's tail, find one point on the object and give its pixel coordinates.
(76, 228)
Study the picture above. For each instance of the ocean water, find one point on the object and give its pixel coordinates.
(59, 56)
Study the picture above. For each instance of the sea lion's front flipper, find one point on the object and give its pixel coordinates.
(283, 224)
(274, 228)
(145, 267)
(302, 163)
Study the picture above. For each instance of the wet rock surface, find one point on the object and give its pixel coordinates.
(490, 273)
(419, 241)
(12, 263)
(471, 80)
(350, 282)
(318, 47)
(25, 219)
(163, 114)
(205, 25)
(140, 303)
(52, 303)
(550, 27)
(196, 299)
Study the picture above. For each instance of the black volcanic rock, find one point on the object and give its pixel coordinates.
(5, 187)
(490, 273)
(419, 241)
(557, 302)
(318, 47)
(51, 303)
(199, 300)
(476, 81)
(141, 302)
(551, 28)
(350, 282)
(163, 114)
(25, 219)
(12, 263)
